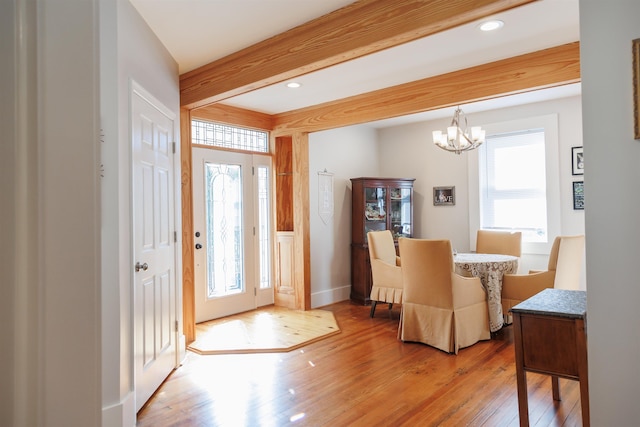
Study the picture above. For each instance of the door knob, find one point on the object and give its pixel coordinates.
(142, 267)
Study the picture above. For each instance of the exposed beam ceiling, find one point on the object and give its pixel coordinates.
(547, 68)
(356, 30)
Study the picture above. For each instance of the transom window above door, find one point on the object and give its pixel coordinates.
(232, 137)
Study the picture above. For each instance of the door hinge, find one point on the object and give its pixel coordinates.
(253, 170)
(175, 237)
(255, 292)
(176, 326)
(174, 147)
(254, 231)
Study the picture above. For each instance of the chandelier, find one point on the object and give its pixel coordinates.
(459, 137)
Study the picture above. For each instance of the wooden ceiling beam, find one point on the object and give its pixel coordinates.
(361, 28)
(228, 114)
(546, 68)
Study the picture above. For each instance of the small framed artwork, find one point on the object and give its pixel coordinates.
(578, 195)
(443, 196)
(636, 88)
(577, 161)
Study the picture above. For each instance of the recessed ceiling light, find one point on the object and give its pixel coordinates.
(491, 25)
(293, 84)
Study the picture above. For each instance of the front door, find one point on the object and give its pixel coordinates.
(154, 246)
(228, 278)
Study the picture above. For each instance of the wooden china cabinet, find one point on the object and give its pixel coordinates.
(376, 204)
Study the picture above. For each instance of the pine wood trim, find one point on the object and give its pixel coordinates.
(230, 115)
(353, 31)
(188, 284)
(542, 69)
(284, 183)
(301, 238)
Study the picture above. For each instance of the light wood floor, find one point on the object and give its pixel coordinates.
(268, 329)
(363, 376)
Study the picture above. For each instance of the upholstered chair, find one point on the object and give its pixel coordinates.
(563, 272)
(499, 242)
(385, 270)
(439, 308)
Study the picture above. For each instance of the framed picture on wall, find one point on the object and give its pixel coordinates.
(577, 161)
(578, 195)
(443, 196)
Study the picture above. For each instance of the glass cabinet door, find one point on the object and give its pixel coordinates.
(375, 212)
(400, 212)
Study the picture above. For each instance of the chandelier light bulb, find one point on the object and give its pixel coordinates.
(437, 137)
(452, 133)
(459, 137)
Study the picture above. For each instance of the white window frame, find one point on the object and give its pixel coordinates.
(549, 123)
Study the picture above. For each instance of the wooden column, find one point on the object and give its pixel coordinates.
(188, 285)
(292, 242)
(302, 260)
(284, 286)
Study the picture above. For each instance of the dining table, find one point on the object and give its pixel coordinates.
(490, 268)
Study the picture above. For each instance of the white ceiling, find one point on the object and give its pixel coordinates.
(197, 32)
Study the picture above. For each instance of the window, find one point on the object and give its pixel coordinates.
(514, 182)
(225, 136)
(264, 229)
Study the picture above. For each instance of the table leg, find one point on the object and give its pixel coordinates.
(583, 374)
(521, 376)
(555, 388)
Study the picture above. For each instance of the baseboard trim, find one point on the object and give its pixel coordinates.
(330, 296)
(122, 414)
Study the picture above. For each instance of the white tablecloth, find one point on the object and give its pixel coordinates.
(489, 268)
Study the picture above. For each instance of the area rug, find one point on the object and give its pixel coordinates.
(265, 330)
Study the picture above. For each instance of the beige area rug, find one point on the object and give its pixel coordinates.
(265, 330)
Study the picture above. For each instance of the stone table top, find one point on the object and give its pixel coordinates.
(557, 302)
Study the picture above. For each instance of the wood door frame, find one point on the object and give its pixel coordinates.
(302, 278)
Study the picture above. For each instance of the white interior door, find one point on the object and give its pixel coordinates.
(225, 276)
(154, 245)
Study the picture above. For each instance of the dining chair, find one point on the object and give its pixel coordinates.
(439, 307)
(499, 242)
(386, 274)
(563, 272)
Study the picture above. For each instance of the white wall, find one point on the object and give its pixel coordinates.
(349, 152)
(612, 209)
(129, 52)
(52, 342)
(433, 167)
(9, 396)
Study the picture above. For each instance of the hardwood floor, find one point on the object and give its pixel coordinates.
(363, 376)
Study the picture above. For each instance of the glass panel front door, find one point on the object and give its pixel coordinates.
(223, 220)
(224, 229)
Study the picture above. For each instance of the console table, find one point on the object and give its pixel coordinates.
(550, 337)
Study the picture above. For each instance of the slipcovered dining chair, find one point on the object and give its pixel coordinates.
(439, 308)
(563, 272)
(499, 242)
(386, 274)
